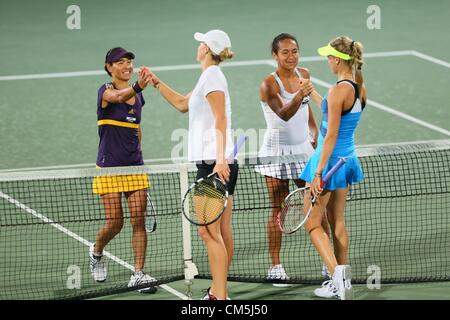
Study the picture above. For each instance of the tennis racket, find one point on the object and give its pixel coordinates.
(293, 215)
(207, 197)
(150, 215)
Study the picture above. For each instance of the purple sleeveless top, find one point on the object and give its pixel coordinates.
(118, 125)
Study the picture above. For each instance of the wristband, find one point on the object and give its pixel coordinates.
(136, 87)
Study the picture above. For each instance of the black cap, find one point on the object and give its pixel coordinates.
(115, 54)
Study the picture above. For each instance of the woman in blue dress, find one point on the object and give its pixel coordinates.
(341, 108)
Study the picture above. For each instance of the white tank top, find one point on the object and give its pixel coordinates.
(286, 137)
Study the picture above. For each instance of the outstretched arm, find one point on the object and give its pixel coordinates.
(316, 97)
(177, 100)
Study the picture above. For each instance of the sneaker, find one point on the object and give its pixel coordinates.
(342, 278)
(277, 272)
(328, 290)
(97, 266)
(208, 295)
(139, 278)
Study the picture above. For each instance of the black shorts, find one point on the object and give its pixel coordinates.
(206, 168)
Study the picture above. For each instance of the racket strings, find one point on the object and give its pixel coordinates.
(292, 212)
(207, 201)
(204, 189)
(214, 183)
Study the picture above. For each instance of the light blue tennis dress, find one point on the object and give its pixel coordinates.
(351, 171)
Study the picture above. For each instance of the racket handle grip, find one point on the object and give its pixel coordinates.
(236, 148)
(332, 171)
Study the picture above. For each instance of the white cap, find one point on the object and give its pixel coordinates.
(216, 40)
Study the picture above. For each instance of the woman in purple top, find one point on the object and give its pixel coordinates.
(119, 108)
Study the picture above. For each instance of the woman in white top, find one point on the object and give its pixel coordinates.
(209, 144)
(291, 130)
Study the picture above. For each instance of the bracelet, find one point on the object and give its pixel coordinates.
(136, 87)
(318, 174)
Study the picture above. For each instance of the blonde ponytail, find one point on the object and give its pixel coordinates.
(224, 55)
(357, 62)
(355, 50)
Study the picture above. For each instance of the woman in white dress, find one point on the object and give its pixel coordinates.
(291, 130)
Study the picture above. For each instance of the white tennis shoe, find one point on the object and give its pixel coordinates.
(342, 278)
(339, 286)
(139, 278)
(97, 266)
(328, 290)
(277, 272)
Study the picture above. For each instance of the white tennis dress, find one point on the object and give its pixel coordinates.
(285, 137)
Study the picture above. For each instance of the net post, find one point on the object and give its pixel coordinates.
(190, 269)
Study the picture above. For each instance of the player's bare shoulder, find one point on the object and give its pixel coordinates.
(269, 81)
(268, 87)
(340, 91)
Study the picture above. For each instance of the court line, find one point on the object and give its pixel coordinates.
(188, 66)
(387, 108)
(226, 64)
(391, 110)
(81, 239)
(271, 63)
(430, 58)
(248, 63)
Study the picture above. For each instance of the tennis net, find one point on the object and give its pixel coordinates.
(398, 223)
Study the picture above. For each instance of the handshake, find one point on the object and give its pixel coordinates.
(146, 77)
(306, 87)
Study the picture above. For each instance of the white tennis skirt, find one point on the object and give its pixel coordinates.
(285, 170)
